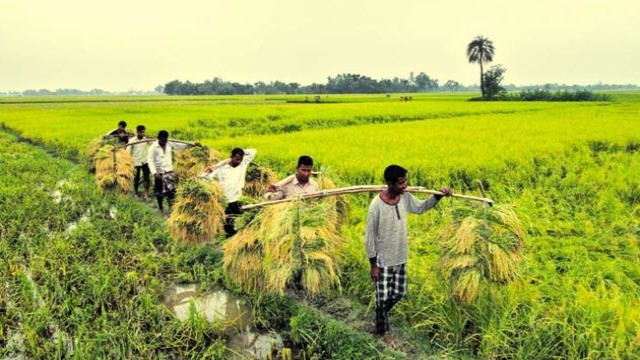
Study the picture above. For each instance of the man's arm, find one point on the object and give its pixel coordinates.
(276, 191)
(249, 155)
(370, 238)
(416, 206)
(179, 145)
(150, 160)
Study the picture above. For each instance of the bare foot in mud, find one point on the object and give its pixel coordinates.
(389, 340)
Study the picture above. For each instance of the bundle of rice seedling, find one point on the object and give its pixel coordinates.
(192, 161)
(257, 179)
(92, 150)
(125, 170)
(480, 245)
(340, 203)
(198, 214)
(114, 168)
(243, 261)
(296, 244)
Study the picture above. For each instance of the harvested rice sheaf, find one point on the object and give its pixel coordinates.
(480, 245)
(287, 245)
(198, 214)
(92, 150)
(192, 161)
(257, 180)
(114, 168)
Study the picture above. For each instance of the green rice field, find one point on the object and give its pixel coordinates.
(81, 282)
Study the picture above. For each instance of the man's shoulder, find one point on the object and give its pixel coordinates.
(375, 201)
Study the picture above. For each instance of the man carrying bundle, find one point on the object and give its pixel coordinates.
(160, 162)
(140, 154)
(121, 132)
(297, 184)
(387, 244)
(231, 177)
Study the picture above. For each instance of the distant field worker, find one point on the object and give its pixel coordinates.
(121, 132)
(299, 183)
(387, 244)
(160, 162)
(140, 154)
(231, 177)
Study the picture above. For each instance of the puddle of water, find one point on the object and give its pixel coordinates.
(215, 306)
(251, 345)
(222, 306)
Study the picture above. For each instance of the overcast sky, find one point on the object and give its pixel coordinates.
(138, 44)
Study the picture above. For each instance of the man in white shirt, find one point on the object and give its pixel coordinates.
(231, 177)
(297, 184)
(160, 162)
(140, 154)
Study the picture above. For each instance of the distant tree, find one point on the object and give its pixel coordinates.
(173, 87)
(425, 83)
(159, 88)
(480, 50)
(452, 85)
(492, 79)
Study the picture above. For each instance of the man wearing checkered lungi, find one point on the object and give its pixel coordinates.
(387, 244)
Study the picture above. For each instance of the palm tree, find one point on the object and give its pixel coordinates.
(480, 51)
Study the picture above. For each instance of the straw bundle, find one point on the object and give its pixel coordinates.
(480, 245)
(92, 150)
(287, 245)
(257, 179)
(114, 168)
(190, 162)
(198, 215)
(340, 203)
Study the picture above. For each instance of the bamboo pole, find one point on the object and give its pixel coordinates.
(148, 140)
(360, 189)
(213, 167)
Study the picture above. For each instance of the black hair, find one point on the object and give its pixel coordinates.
(122, 123)
(305, 160)
(394, 172)
(237, 151)
(140, 128)
(164, 134)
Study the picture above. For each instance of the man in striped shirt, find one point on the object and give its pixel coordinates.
(387, 244)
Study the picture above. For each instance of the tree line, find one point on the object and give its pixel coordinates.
(340, 84)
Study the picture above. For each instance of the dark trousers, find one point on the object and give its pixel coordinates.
(144, 169)
(233, 209)
(390, 289)
(161, 193)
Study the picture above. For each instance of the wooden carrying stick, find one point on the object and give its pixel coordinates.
(148, 140)
(360, 189)
(213, 167)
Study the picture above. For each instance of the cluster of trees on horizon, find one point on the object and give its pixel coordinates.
(356, 84)
(281, 86)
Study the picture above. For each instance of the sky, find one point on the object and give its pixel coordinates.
(120, 45)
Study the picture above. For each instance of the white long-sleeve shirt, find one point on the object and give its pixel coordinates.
(386, 231)
(139, 152)
(160, 160)
(232, 178)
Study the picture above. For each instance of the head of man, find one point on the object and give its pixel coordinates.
(237, 155)
(396, 179)
(122, 125)
(304, 168)
(163, 137)
(140, 131)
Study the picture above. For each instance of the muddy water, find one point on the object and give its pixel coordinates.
(220, 306)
